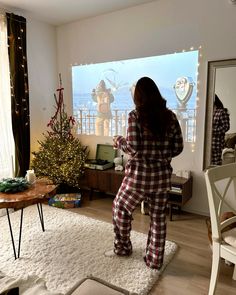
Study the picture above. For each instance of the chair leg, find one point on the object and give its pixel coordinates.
(234, 273)
(214, 268)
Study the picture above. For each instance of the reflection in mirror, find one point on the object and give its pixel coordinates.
(220, 125)
(221, 81)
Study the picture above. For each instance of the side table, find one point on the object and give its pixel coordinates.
(180, 193)
(35, 194)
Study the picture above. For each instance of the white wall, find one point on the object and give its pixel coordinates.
(43, 76)
(160, 27)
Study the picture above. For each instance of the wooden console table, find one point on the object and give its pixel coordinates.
(109, 181)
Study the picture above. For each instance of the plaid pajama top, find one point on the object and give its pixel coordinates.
(221, 124)
(148, 168)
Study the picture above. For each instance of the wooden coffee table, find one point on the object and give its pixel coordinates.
(35, 194)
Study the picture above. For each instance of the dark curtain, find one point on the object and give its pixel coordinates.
(16, 27)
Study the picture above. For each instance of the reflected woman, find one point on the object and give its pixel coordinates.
(220, 126)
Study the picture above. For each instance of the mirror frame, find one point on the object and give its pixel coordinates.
(211, 77)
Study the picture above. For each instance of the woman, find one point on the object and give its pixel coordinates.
(220, 126)
(103, 96)
(153, 138)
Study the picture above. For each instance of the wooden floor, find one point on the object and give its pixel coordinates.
(189, 271)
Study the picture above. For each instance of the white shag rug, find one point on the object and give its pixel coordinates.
(71, 248)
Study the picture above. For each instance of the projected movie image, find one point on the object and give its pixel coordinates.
(103, 92)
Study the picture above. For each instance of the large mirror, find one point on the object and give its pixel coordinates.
(221, 81)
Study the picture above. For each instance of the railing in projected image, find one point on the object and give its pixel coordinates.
(118, 124)
(86, 122)
(187, 121)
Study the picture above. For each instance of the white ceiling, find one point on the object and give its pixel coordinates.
(58, 12)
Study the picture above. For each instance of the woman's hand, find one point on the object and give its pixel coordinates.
(115, 141)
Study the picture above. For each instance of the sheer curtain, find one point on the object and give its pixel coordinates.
(7, 145)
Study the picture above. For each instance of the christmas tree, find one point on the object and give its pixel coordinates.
(61, 156)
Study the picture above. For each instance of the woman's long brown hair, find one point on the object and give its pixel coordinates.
(151, 107)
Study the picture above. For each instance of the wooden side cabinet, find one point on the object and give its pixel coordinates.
(180, 193)
(109, 181)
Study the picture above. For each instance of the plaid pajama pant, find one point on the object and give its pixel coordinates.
(123, 206)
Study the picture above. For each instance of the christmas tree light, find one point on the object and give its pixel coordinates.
(61, 156)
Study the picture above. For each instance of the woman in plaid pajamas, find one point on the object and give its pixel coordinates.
(220, 125)
(153, 138)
